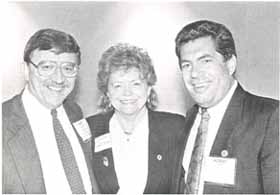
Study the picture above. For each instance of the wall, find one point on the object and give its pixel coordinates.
(153, 26)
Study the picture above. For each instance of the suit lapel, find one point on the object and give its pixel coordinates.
(87, 150)
(190, 117)
(24, 151)
(154, 165)
(103, 161)
(105, 171)
(229, 123)
(75, 115)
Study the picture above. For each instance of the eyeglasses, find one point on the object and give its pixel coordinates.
(47, 68)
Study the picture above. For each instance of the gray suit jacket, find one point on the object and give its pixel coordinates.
(249, 131)
(22, 172)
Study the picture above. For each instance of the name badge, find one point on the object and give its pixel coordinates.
(220, 170)
(83, 129)
(103, 142)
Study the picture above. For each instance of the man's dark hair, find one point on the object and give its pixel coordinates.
(221, 36)
(46, 39)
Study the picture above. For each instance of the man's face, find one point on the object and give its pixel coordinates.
(206, 75)
(50, 90)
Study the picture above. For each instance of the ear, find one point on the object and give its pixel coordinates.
(108, 95)
(149, 90)
(26, 70)
(231, 64)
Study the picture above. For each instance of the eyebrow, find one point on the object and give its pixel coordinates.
(201, 57)
(181, 61)
(134, 80)
(205, 56)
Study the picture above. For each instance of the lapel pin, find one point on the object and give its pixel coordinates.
(105, 161)
(159, 157)
(224, 153)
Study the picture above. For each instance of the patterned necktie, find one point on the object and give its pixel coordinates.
(67, 157)
(193, 178)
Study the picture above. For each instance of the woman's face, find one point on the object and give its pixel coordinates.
(128, 91)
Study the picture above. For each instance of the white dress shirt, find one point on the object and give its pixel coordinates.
(130, 153)
(216, 115)
(40, 120)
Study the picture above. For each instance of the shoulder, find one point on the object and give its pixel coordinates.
(9, 105)
(260, 104)
(73, 110)
(166, 121)
(168, 128)
(99, 118)
(12, 109)
(99, 123)
(13, 114)
(72, 106)
(262, 113)
(167, 116)
(252, 105)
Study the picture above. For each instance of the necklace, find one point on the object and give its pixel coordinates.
(128, 135)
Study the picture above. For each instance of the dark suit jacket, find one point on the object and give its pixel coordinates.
(249, 131)
(22, 172)
(164, 131)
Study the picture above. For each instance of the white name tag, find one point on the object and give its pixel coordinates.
(83, 129)
(103, 142)
(220, 170)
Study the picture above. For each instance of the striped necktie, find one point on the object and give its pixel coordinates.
(67, 157)
(194, 171)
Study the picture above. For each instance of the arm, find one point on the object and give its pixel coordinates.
(269, 156)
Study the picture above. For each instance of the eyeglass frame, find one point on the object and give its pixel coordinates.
(37, 66)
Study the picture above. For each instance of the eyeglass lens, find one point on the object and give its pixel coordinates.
(48, 68)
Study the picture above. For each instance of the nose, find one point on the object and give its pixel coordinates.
(58, 76)
(127, 90)
(195, 71)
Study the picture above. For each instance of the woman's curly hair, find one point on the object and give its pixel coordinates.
(125, 56)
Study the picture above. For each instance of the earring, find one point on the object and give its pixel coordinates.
(110, 105)
(107, 102)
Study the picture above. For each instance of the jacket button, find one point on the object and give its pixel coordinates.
(159, 157)
(105, 161)
(224, 153)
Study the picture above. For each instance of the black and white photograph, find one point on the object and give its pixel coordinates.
(140, 97)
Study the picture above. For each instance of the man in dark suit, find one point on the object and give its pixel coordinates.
(237, 148)
(39, 148)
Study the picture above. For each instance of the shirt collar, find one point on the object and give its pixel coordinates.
(31, 101)
(141, 119)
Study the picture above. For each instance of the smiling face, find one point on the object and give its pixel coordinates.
(207, 76)
(51, 90)
(127, 91)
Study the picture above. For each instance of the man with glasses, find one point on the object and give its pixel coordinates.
(44, 150)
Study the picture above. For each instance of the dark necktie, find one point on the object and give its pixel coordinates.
(67, 157)
(194, 171)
